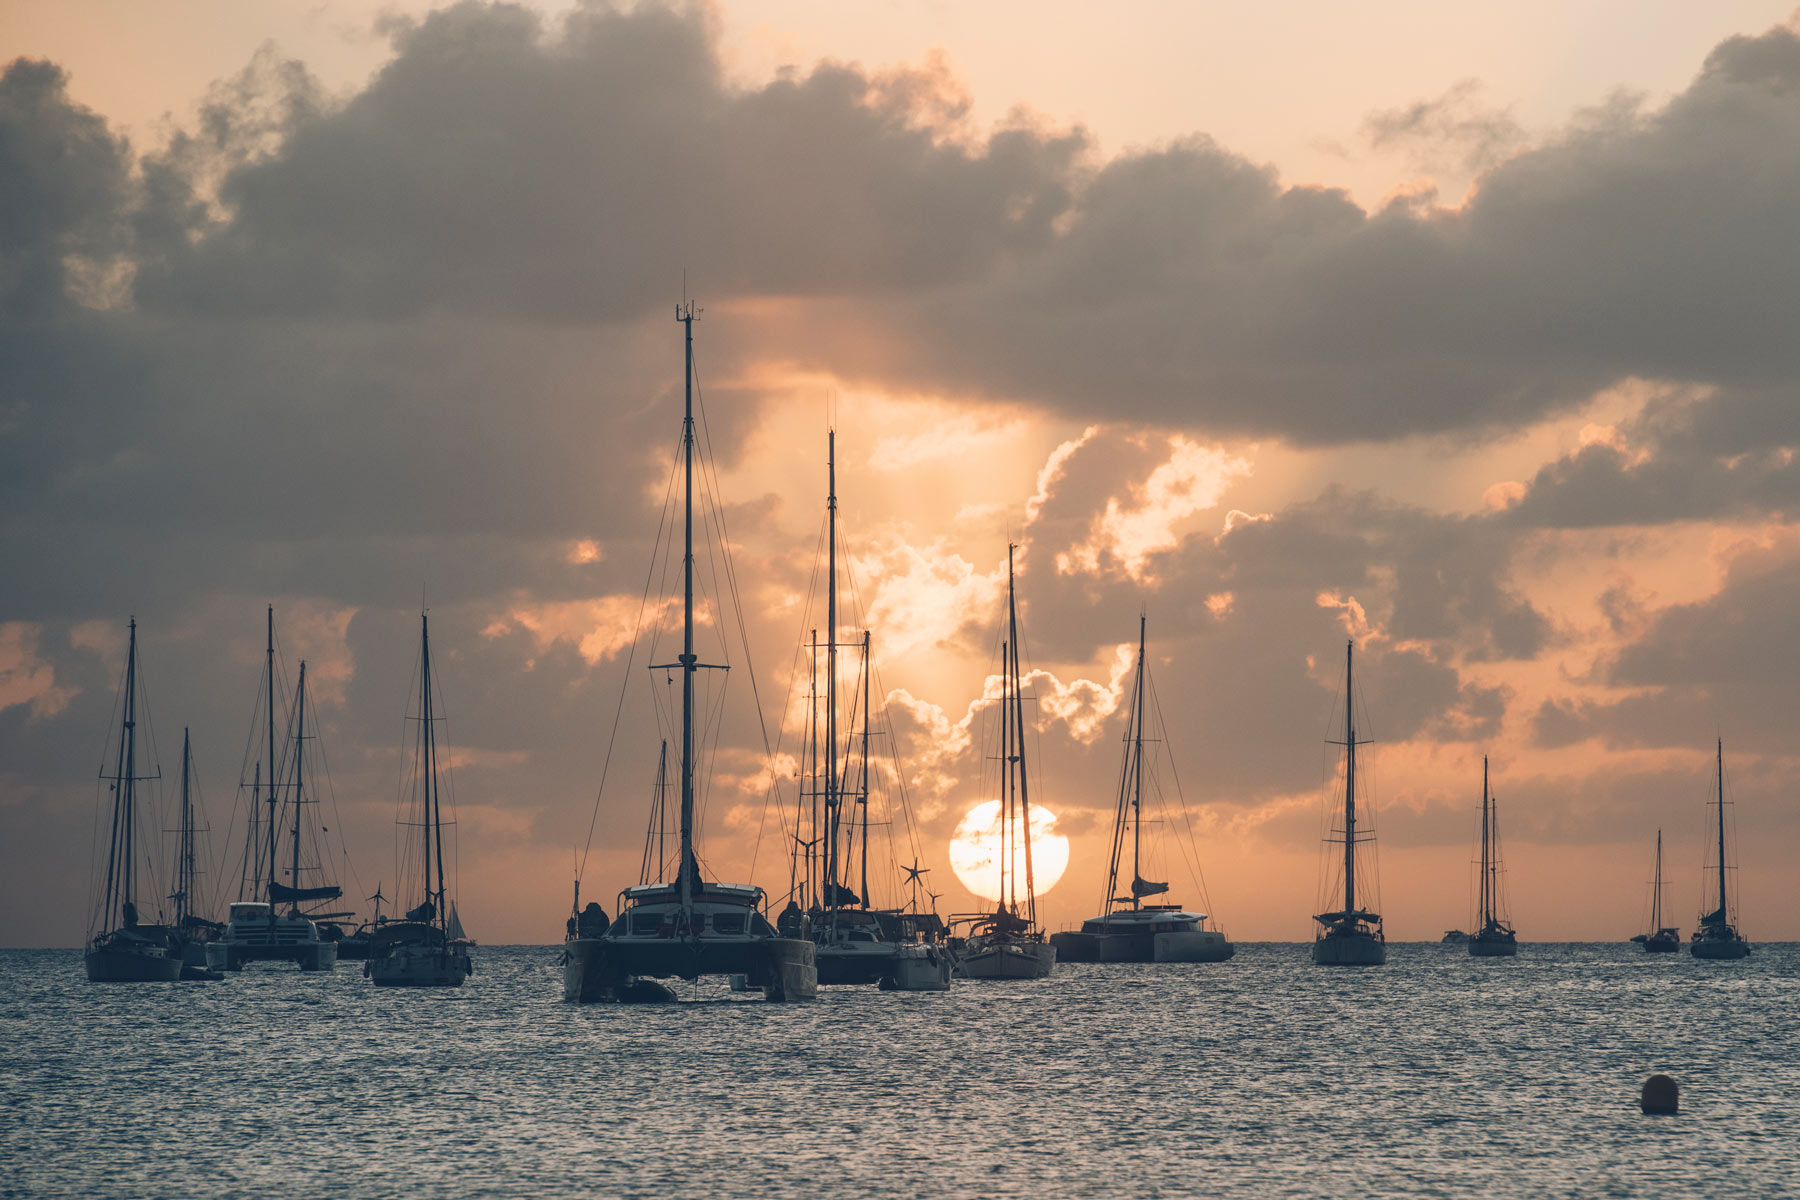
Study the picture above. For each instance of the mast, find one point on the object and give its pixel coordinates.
(689, 872)
(1724, 917)
(119, 882)
(833, 795)
(299, 780)
(1656, 889)
(1349, 782)
(184, 862)
(1012, 608)
(865, 773)
(434, 813)
(271, 745)
(1487, 910)
(1137, 772)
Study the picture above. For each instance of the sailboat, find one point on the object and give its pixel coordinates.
(856, 942)
(1351, 936)
(1127, 929)
(1661, 939)
(1717, 936)
(120, 949)
(192, 931)
(1007, 943)
(256, 930)
(1493, 937)
(424, 950)
(692, 926)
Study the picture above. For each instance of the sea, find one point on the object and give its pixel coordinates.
(1436, 1075)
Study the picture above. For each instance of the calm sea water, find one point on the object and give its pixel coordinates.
(1437, 1075)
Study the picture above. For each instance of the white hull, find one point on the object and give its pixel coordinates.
(1193, 946)
(1008, 960)
(918, 968)
(284, 939)
(1349, 952)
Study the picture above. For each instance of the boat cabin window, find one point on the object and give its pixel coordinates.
(728, 922)
(759, 925)
(645, 923)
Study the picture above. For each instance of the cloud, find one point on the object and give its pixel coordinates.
(24, 677)
(1452, 131)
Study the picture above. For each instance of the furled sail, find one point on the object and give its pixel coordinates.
(280, 893)
(1716, 917)
(424, 912)
(1141, 887)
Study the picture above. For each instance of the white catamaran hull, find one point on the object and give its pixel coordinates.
(420, 966)
(1008, 960)
(1349, 952)
(1193, 946)
(918, 968)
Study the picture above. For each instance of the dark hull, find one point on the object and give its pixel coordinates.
(1652, 946)
(837, 970)
(353, 949)
(107, 965)
(1493, 947)
(1076, 947)
(596, 969)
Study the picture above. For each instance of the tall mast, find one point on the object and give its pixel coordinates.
(1008, 853)
(434, 814)
(299, 777)
(833, 795)
(1487, 911)
(1349, 781)
(1137, 772)
(1724, 917)
(1656, 889)
(690, 868)
(184, 864)
(1012, 608)
(119, 882)
(271, 747)
(865, 772)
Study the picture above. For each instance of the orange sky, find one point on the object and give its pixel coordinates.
(1448, 331)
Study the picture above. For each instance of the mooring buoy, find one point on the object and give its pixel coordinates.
(1661, 1095)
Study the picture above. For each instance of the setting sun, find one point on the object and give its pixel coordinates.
(975, 851)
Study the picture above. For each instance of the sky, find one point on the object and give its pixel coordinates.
(1462, 332)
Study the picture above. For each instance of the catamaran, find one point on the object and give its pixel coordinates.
(1661, 939)
(120, 948)
(1127, 929)
(1352, 935)
(691, 926)
(1007, 943)
(1493, 937)
(1718, 936)
(257, 930)
(425, 949)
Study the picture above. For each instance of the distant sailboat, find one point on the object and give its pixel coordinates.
(1661, 939)
(1718, 936)
(1127, 929)
(1493, 937)
(1352, 935)
(121, 949)
(192, 931)
(427, 949)
(1007, 943)
(689, 927)
(257, 931)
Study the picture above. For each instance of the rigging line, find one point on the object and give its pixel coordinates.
(1191, 851)
(787, 701)
(625, 677)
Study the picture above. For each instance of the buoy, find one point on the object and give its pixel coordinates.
(1661, 1095)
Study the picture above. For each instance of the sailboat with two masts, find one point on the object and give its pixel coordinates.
(120, 948)
(690, 927)
(1007, 943)
(427, 948)
(1127, 929)
(1717, 935)
(1660, 939)
(1352, 935)
(257, 930)
(191, 931)
(1493, 937)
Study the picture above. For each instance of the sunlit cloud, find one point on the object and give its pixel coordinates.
(26, 678)
(1192, 480)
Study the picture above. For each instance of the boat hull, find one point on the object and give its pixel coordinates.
(839, 966)
(308, 956)
(918, 969)
(1076, 947)
(596, 970)
(112, 964)
(1349, 951)
(1192, 946)
(1008, 960)
(1492, 949)
(1652, 946)
(1720, 949)
(420, 966)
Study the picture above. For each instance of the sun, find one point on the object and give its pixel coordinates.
(975, 851)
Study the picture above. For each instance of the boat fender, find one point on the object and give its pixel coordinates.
(1661, 1095)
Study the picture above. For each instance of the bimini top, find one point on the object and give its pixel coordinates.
(739, 893)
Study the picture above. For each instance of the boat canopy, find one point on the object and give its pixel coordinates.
(281, 893)
(1338, 918)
